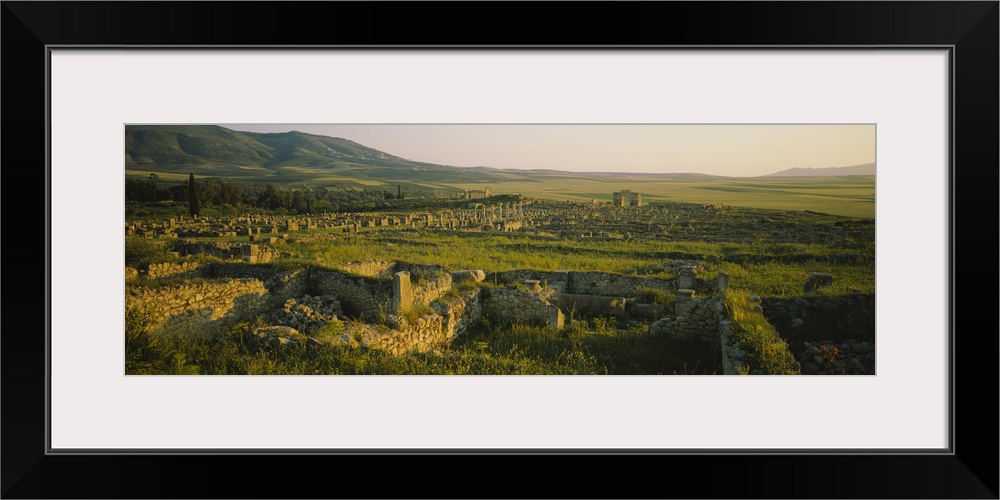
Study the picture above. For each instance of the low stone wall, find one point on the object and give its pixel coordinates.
(603, 284)
(358, 296)
(646, 312)
(252, 253)
(432, 291)
(308, 314)
(835, 318)
(460, 312)
(518, 276)
(238, 270)
(452, 317)
(379, 268)
(198, 304)
(181, 270)
(282, 285)
(421, 335)
(513, 305)
(838, 358)
(699, 321)
(733, 356)
(609, 284)
(596, 305)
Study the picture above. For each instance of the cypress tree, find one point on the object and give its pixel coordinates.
(193, 207)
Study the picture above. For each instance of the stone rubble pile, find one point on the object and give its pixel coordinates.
(283, 336)
(843, 358)
(309, 314)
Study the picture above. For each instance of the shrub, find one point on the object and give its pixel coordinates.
(144, 351)
(140, 252)
(332, 328)
(417, 311)
(655, 296)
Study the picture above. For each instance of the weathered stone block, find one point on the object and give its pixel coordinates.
(533, 285)
(816, 281)
(402, 292)
(722, 282)
(556, 317)
(475, 276)
(559, 276)
(684, 300)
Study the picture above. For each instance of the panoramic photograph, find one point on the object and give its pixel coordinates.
(507, 249)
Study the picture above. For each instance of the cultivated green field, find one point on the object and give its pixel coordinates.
(848, 195)
(852, 195)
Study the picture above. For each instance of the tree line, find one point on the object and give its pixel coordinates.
(222, 194)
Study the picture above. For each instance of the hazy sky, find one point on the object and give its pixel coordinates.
(732, 150)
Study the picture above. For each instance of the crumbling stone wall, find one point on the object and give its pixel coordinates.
(604, 284)
(282, 285)
(253, 254)
(421, 335)
(699, 320)
(432, 291)
(849, 357)
(308, 314)
(734, 360)
(198, 304)
(610, 284)
(827, 335)
(460, 313)
(848, 316)
(358, 296)
(238, 270)
(597, 305)
(376, 268)
(452, 317)
(513, 305)
(162, 270)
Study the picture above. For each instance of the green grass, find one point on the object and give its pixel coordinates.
(772, 270)
(655, 296)
(416, 312)
(848, 195)
(592, 348)
(767, 352)
(148, 352)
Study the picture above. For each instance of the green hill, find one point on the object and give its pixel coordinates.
(175, 147)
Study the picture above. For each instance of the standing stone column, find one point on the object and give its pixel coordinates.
(402, 294)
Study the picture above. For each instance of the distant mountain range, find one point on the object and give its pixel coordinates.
(864, 169)
(217, 151)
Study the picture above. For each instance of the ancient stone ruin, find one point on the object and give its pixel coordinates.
(402, 307)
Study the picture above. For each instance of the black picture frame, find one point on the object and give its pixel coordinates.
(970, 28)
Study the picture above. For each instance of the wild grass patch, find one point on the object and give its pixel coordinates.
(767, 352)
